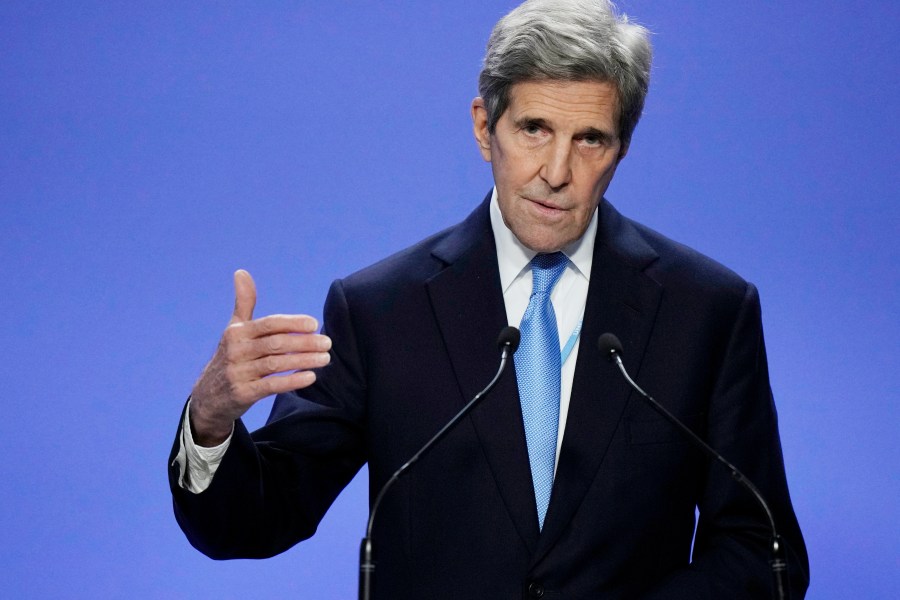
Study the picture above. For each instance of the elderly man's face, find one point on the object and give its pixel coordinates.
(553, 153)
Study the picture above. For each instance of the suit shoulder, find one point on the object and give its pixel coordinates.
(680, 268)
(412, 264)
(424, 259)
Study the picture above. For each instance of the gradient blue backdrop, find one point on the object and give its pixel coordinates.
(149, 149)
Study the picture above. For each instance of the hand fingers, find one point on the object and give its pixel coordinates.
(270, 325)
(277, 344)
(250, 351)
(251, 381)
(234, 385)
(244, 297)
(279, 385)
(265, 366)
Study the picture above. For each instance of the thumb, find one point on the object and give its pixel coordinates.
(244, 296)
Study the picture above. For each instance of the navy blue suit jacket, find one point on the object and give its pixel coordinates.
(415, 338)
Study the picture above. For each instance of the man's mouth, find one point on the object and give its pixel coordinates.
(545, 205)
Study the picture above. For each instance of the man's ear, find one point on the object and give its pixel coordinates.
(480, 128)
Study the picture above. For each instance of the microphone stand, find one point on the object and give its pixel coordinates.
(509, 343)
(613, 348)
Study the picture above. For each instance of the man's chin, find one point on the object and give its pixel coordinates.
(544, 237)
(543, 244)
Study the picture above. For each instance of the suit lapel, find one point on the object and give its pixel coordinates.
(467, 300)
(622, 300)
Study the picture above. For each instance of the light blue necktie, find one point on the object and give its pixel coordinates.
(538, 368)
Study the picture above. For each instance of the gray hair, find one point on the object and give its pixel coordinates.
(569, 40)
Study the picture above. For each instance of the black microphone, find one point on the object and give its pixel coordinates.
(508, 342)
(611, 348)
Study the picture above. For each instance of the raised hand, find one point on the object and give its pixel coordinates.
(250, 351)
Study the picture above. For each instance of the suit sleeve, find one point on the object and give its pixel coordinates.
(274, 485)
(731, 548)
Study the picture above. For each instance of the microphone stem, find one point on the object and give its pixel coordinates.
(437, 437)
(366, 562)
(778, 564)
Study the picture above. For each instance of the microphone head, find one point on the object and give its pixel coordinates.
(509, 337)
(609, 345)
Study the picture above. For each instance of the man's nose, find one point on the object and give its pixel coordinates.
(557, 170)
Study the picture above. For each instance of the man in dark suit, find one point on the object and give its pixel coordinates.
(595, 500)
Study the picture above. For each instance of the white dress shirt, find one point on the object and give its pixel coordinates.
(197, 464)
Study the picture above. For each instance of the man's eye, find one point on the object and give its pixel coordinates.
(531, 129)
(592, 140)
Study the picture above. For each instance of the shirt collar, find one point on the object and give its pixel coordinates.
(513, 257)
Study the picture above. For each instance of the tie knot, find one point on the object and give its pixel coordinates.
(546, 270)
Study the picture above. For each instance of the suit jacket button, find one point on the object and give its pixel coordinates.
(535, 590)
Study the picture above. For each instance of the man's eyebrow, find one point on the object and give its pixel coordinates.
(605, 136)
(526, 120)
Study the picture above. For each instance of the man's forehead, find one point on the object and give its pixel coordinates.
(589, 100)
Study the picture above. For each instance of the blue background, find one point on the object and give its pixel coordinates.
(149, 149)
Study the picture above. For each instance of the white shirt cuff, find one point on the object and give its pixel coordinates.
(197, 465)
